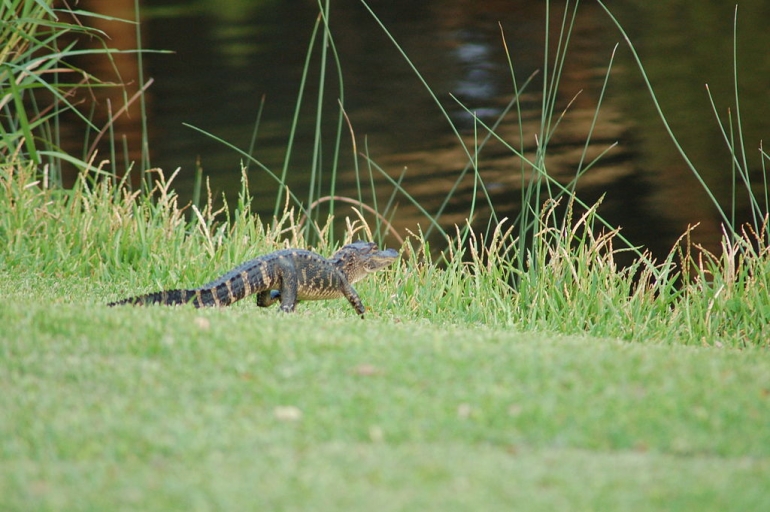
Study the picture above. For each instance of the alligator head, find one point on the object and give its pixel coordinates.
(359, 259)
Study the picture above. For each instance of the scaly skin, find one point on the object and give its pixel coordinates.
(288, 276)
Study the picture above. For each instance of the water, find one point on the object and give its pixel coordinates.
(230, 55)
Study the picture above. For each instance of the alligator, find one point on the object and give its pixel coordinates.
(286, 276)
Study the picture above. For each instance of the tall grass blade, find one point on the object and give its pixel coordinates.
(662, 116)
(282, 180)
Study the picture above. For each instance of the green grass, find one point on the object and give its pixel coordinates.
(526, 372)
(130, 244)
(250, 409)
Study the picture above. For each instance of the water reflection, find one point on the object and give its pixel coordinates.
(479, 74)
(230, 54)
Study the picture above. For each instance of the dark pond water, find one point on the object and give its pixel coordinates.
(228, 56)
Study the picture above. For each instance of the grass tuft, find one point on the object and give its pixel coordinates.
(570, 284)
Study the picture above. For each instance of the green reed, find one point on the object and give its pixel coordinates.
(39, 84)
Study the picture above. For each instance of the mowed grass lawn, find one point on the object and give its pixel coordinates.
(250, 409)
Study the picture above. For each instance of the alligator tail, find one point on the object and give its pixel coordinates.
(166, 298)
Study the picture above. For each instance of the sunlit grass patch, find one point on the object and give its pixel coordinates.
(171, 407)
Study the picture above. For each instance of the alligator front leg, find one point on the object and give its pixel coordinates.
(350, 293)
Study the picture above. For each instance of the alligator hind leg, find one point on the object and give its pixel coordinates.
(268, 298)
(288, 293)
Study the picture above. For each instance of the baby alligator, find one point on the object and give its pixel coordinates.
(288, 276)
